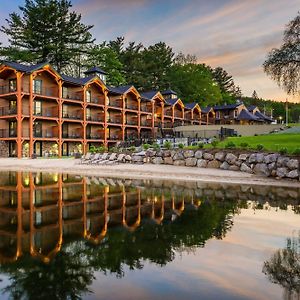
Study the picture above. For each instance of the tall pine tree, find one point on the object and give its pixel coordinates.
(45, 30)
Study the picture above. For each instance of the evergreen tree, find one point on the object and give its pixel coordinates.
(254, 95)
(46, 30)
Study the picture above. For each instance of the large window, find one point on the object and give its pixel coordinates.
(37, 86)
(88, 96)
(65, 92)
(12, 128)
(88, 114)
(12, 85)
(37, 129)
(38, 108)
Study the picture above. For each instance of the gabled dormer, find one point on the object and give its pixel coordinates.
(96, 71)
(169, 94)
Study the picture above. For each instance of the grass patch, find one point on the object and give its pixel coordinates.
(270, 142)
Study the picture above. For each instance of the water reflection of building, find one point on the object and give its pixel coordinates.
(40, 211)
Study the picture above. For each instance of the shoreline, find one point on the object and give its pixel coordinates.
(145, 171)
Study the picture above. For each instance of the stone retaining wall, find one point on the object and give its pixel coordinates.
(265, 164)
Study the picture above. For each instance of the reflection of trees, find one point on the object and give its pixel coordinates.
(67, 276)
(283, 268)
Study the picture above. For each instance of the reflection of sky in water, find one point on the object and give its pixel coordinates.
(224, 269)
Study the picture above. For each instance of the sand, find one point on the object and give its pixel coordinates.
(147, 171)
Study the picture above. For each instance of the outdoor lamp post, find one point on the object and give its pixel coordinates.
(280, 119)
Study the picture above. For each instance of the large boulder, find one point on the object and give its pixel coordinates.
(137, 158)
(168, 160)
(262, 169)
(294, 174)
(201, 163)
(208, 156)
(260, 157)
(234, 168)
(188, 153)
(220, 156)
(191, 162)
(178, 156)
(167, 153)
(141, 153)
(225, 165)
(157, 160)
(270, 158)
(231, 158)
(199, 154)
(213, 164)
(281, 172)
(245, 168)
(293, 164)
(179, 162)
(272, 166)
(252, 158)
(243, 156)
(128, 158)
(150, 153)
(282, 161)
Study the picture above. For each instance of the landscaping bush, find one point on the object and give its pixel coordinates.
(200, 145)
(283, 151)
(113, 150)
(156, 147)
(244, 145)
(168, 145)
(93, 149)
(296, 151)
(132, 148)
(215, 143)
(260, 147)
(229, 145)
(146, 146)
(180, 146)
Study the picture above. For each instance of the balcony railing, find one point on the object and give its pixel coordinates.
(131, 106)
(99, 101)
(72, 116)
(6, 133)
(6, 89)
(72, 135)
(95, 136)
(115, 137)
(146, 108)
(113, 103)
(146, 123)
(6, 111)
(168, 125)
(73, 96)
(47, 112)
(132, 122)
(114, 121)
(46, 91)
(44, 134)
(168, 113)
(178, 115)
(95, 118)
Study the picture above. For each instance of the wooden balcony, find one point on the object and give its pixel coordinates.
(45, 134)
(73, 116)
(50, 112)
(97, 100)
(6, 133)
(133, 122)
(76, 96)
(115, 103)
(95, 118)
(72, 135)
(95, 136)
(115, 137)
(146, 108)
(146, 123)
(6, 111)
(115, 121)
(131, 106)
(46, 92)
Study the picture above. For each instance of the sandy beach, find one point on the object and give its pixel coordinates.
(146, 171)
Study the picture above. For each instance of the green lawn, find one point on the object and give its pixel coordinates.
(272, 142)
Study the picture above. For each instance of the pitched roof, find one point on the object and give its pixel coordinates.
(168, 92)
(190, 105)
(251, 107)
(227, 107)
(77, 81)
(148, 95)
(172, 101)
(120, 90)
(206, 109)
(24, 68)
(263, 116)
(94, 70)
(246, 115)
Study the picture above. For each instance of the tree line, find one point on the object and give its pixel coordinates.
(49, 30)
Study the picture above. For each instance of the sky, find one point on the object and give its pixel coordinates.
(233, 34)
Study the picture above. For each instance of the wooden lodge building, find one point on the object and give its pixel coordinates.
(42, 111)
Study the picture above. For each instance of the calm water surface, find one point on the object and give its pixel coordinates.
(73, 237)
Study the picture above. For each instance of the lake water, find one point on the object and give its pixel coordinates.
(73, 237)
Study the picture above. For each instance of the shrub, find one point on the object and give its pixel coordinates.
(180, 146)
(156, 147)
(92, 149)
(260, 147)
(296, 151)
(132, 148)
(229, 145)
(244, 145)
(283, 151)
(200, 145)
(146, 146)
(168, 145)
(215, 143)
(114, 149)
(101, 149)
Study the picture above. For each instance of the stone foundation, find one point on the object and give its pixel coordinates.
(264, 164)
